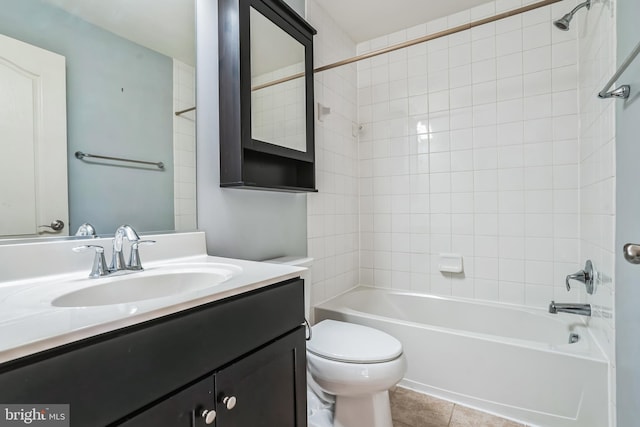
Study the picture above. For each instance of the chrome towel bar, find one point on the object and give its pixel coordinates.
(624, 90)
(80, 156)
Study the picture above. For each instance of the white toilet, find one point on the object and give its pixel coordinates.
(350, 370)
(358, 365)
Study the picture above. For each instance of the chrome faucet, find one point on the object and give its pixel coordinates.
(118, 266)
(86, 229)
(581, 309)
(99, 268)
(134, 258)
(117, 257)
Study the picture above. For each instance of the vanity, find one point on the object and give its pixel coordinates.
(229, 354)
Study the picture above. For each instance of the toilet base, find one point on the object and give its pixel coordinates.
(372, 410)
(319, 411)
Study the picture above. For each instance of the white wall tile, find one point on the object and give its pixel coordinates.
(460, 76)
(564, 53)
(593, 52)
(483, 71)
(537, 83)
(508, 43)
(184, 139)
(489, 162)
(336, 233)
(537, 59)
(537, 35)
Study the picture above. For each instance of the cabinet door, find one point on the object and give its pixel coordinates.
(183, 409)
(266, 388)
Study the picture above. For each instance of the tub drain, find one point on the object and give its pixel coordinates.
(573, 338)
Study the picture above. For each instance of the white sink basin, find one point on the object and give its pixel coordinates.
(168, 280)
(131, 288)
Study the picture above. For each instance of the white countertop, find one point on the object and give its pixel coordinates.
(30, 324)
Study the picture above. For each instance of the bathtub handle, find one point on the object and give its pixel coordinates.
(585, 276)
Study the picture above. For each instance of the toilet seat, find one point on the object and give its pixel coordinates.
(352, 343)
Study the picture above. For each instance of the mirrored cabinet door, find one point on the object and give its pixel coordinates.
(277, 85)
(266, 96)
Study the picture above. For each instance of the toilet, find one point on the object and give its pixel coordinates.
(350, 369)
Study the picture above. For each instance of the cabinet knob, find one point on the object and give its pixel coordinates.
(208, 415)
(229, 402)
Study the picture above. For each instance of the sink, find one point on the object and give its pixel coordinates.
(144, 286)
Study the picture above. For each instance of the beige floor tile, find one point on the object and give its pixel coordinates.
(467, 417)
(418, 410)
(400, 424)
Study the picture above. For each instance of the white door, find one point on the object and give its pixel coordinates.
(33, 135)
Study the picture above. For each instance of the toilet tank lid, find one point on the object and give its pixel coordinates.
(348, 342)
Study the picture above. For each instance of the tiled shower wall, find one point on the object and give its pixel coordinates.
(332, 213)
(470, 145)
(184, 146)
(597, 63)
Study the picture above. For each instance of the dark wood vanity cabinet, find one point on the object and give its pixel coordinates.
(183, 409)
(257, 390)
(264, 385)
(242, 357)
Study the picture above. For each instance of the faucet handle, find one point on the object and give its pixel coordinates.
(585, 276)
(99, 268)
(134, 258)
(580, 276)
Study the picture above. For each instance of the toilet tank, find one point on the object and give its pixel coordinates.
(305, 275)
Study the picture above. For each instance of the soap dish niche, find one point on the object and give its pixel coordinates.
(450, 263)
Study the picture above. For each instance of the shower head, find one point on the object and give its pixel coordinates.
(563, 23)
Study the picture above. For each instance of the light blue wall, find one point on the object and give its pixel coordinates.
(627, 293)
(245, 224)
(119, 103)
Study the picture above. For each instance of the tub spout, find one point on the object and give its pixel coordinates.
(581, 309)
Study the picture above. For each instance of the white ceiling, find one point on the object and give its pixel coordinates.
(367, 19)
(166, 26)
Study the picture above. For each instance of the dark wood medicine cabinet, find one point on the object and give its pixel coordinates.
(266, 97)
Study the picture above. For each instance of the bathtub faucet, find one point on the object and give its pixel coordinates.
(581, 309)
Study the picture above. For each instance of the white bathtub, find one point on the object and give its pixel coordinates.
(511, 361)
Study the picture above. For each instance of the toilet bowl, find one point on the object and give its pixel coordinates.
(358, 365)
(350, 369)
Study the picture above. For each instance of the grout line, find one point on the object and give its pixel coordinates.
(451, 415)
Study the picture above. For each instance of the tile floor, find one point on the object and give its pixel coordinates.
(412, 409)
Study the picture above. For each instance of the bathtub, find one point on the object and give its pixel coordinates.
(511, 361)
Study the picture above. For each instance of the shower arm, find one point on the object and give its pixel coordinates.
(586, 4)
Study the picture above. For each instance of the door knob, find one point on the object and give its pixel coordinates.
(632, 253)
(56, 225)
(209, 415)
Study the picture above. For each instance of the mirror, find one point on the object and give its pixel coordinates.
(127, 68)
(277, 85)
